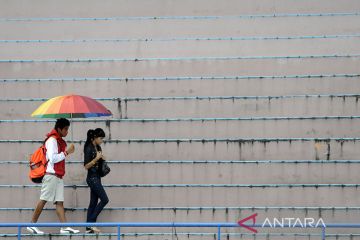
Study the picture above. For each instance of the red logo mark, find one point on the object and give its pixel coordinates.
(241, 222)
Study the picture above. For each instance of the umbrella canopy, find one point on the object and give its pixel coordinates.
(71, 106)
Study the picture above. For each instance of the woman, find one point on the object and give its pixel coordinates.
(92, 162)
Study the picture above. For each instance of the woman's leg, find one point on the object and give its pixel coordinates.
(100, 193)
(93, 200)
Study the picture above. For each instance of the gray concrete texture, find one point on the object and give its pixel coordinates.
(193, 87)
(193, 129)
(228, 150)
(204, 173)
(160, 48)
(211, 108)
(110, 8)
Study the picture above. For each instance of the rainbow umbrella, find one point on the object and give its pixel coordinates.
(71, 106)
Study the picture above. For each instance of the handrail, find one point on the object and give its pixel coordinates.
(194, 162)
(150, 39)
(217, 225)
(190, 234)
(213, 17)
(179, 78)
(94, 60)
(201, 234)
(270, 185)
(116, 120)
(137, 99)
(199, 208)
(204, 140)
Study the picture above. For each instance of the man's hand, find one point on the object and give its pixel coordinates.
(71, 149)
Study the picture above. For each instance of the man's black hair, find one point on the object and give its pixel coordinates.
(61, 123)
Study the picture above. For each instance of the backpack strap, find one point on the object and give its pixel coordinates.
(44, 147)
(47, 138)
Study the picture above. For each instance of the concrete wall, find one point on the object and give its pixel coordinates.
(203, 81)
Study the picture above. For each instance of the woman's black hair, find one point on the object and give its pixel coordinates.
(92, 134)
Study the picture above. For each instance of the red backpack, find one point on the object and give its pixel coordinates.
(38, 164)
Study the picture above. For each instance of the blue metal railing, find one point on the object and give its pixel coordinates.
(218, 226)
(188, 235)
(200, 234)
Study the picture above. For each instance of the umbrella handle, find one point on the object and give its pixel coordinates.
(72, 128)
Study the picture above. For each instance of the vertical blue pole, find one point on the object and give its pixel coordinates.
(219, 233)
(119, 233)
(323, 233)
(19, 233)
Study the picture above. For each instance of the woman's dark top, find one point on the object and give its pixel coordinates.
(89, 155)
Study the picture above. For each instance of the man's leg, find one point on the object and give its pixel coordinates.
(47, 194)
(61, 215)
(35, 217)
(38, 211)
(60, 211)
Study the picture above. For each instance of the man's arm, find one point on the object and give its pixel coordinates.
(52, 151)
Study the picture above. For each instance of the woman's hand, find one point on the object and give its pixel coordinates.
(94, 161)
(98, 156)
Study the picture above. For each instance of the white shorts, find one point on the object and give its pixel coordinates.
(52, 189)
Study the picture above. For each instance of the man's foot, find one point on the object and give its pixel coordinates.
(68, 230)
(93, 230)
(34, 230)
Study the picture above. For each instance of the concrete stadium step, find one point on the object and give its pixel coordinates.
(205, 233)
(179, 216)
(224, 195)
(173, 215)
(149, 191)
(170, 28)
(191, 86)
(196, 128)
(183, 67)
(302, 235)
(194, 48)
(205, 149)
(211, 106)
(113, 8)
(203, 173)
(168, 235)
(50, 216)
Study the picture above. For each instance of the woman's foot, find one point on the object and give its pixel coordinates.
(93, 230)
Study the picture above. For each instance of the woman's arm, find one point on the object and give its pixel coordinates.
(94, 161)
(88, 155)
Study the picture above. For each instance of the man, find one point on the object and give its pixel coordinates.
(52, 189)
